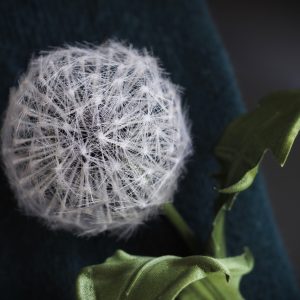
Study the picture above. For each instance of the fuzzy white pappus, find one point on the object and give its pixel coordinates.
(94, 138)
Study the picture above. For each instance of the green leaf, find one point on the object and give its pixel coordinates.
(273, 126)
(124, 276)
(213, 286)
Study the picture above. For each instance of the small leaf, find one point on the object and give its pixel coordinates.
(273, 126)
(124, 276)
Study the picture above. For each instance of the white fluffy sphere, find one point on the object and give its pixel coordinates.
(94, 138)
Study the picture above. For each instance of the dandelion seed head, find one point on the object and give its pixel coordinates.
(94, 138)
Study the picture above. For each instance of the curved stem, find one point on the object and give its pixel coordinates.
(217, 241)
(183, 229)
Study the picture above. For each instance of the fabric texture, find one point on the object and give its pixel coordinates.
(36, 263)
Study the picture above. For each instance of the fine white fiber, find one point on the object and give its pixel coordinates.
(94, 138)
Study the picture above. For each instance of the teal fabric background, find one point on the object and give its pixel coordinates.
(36, 263)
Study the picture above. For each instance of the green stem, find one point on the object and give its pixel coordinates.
(184, 230)
(217, 241)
